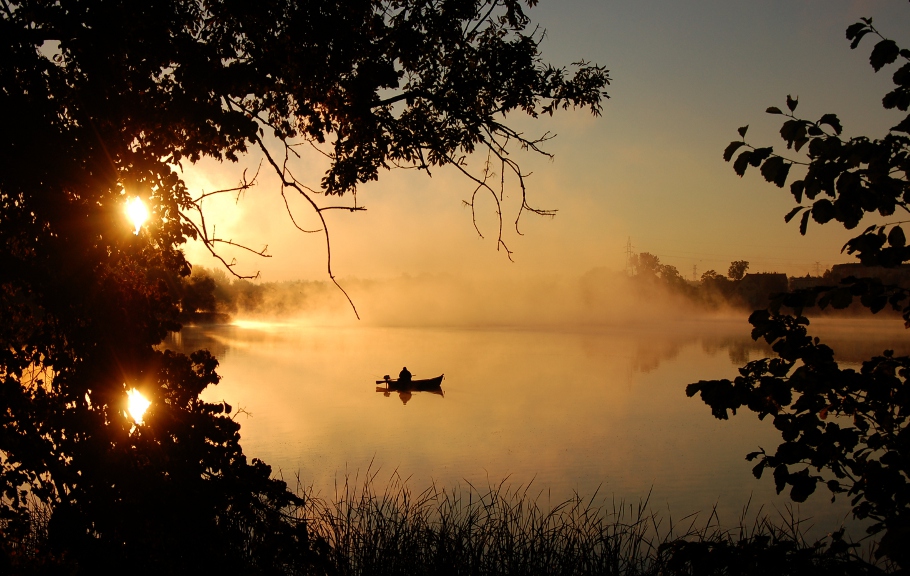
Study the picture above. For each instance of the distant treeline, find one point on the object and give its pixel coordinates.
(739, 289)
(210, 294)
(713, 290)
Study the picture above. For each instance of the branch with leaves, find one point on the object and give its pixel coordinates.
(418, 88)
(845, 179)
(843, 429)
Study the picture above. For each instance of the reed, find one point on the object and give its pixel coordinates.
(367, 527)
(505, 529)
(24, 545)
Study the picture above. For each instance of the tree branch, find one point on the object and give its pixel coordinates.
(243, 186)
(328, 241)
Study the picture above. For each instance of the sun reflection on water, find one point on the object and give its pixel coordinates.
(257, 324)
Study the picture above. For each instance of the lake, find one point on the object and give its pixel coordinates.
(600, 410)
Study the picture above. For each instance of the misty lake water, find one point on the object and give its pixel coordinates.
(600, 410)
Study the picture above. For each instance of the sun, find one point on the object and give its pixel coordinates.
(136, 212)
(137, 404)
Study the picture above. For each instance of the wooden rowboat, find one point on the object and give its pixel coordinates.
(414, 385)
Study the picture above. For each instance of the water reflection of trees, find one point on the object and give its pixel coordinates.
(196, 338)
(853, 343)
(651, 352)
(648, 356)
(741, 349)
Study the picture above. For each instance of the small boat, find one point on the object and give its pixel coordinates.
(414, 385)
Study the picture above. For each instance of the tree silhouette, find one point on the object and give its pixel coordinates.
(737, 269)
(106, 101)
(845, 429)
(197, 294)
(646, 265)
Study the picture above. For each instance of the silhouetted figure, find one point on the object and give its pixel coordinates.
(404, 376)
(404, 395)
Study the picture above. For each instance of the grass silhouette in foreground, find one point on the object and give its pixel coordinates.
(366, 528)
(503, 529)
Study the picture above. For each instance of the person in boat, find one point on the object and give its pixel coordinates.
(404, 377)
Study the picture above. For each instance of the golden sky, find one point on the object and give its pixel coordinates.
(686, 75)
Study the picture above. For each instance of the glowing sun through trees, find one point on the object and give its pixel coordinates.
(136, 405)
(136, 212)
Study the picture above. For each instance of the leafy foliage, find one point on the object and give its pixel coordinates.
(845, 178)
(646, 267)
(107, 100)
(737, 269)
(842, 429)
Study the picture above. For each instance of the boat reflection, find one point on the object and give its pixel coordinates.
(406, 389)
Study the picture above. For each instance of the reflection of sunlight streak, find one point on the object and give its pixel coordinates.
(257, 324)
(136, 212)
(137, 404)
(229, 343)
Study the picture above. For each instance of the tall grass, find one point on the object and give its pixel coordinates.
(504, 529)
(369, 528)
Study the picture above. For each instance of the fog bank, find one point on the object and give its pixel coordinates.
(599, 297)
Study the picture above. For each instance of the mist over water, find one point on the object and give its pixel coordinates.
(573, 385)
(599, 297)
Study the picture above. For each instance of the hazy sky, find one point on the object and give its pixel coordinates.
(685, 75)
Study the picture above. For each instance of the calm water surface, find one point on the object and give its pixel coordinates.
(595, 411)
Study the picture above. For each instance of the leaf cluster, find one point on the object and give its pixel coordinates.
(844, 429)
(381, 81)
(737, 269)
(845, 178)
(763, 554)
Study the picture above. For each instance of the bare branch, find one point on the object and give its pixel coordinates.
(289, 181)
(241, 246)
(482, 184)
(291, 215)
(284, 197)
(480, 21)
(500, 152)
(280, 170)
(244, 185)
(313, 145)
(202, 233)
(402, 96)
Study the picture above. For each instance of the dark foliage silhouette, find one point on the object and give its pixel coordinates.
(737, 269)
(106, 99)
(844, 429)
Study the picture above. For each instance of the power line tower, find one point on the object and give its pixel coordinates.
(817, 270)
(629, 267)
(695, 272)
